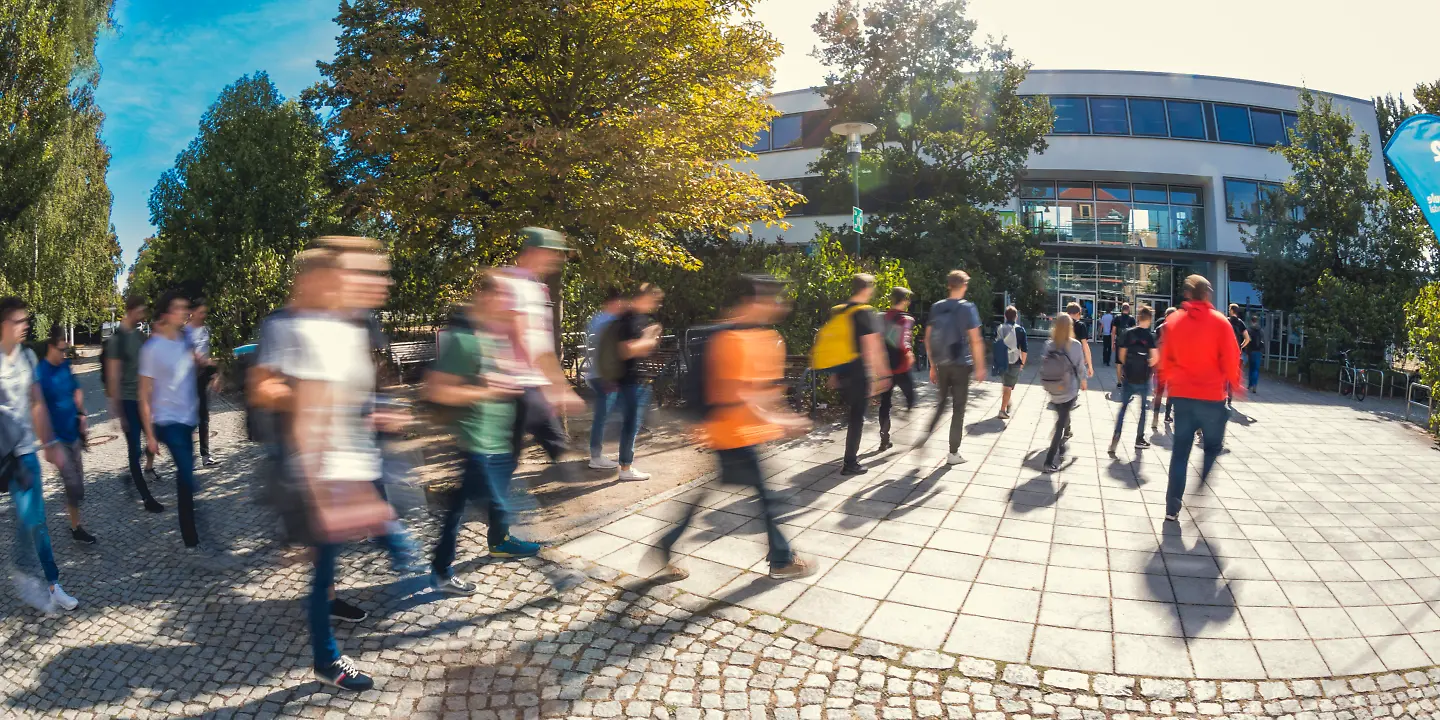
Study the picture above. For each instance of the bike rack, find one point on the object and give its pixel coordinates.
(1410, 400)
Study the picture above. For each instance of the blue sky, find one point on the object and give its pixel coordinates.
(169, 59)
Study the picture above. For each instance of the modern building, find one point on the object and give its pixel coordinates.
(1148, 177)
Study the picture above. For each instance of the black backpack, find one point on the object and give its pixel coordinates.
(697, 407)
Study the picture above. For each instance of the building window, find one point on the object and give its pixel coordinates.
(1108, 116)
(762, 142)
(785, 132)
(1292, 122)
(1147, 117)
(1186, 119)
(1242, 197)
(1153, 216)
(1071, 115)
(1181, 195)
(1232, 124)
(1269, 127)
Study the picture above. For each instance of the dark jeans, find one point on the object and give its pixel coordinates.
(487, 479)
(1105, 349)
(1128, 391)
(322, 638)
(604, 401)
(1208, 417)
(32, 537)
(953, 383)
(202, 391)
(633, 400)
(534, 416)
(906, 382)
(1255, 358)
(1062, 424)
(180, 441)
(741, 466)
(134, 444)
(855, 389)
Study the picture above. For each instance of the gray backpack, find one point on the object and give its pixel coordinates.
(1055, 371)
(947, 336)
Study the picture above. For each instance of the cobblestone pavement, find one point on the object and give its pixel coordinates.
(162, 635)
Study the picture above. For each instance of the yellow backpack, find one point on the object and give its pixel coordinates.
(835, 343)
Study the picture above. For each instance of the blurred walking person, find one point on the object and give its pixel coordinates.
(122, 386)
(638, 336)
(170, 404)
(1115, 335)
(613, 306)
(1160, 378)
(1105, 322)
(65, 405)
(1200, 363)
(1012, 341)
(741, 364)
(849, 347)
(1080, 330)
(899, 334)
(1062, 368)
(1254, 352)
(198, 334)
(1242, 341)
(953, 344)
(1137, 356)
(24, 428)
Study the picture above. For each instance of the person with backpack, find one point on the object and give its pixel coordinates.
(604, 392)
(1011, 351)
(1159, 378)
(635, 337)
(848, 345)
(736, 393)
(899, 338)
(953, 344)
(122, 385)
(65, 406)
(1106, 339)
(25, 429)
(1062, 375)
(1200, 365)
(1254, 352)
(1115, 335)
(1242, 339)
(1080, 330)
(1137, 355)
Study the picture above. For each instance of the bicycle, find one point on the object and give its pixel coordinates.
(1359, 378)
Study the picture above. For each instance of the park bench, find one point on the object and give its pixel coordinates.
(407, 354)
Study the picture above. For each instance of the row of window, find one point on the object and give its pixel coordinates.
(796, 130)
(1242, 198)
(1139, 215)
(1183, 119)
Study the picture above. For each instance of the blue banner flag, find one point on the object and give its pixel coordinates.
(1414, 150)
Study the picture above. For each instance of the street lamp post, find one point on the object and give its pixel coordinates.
(852, 132)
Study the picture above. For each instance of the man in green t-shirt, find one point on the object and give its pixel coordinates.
(467, 377)
(122, 384)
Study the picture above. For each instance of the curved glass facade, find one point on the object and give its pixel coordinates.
(1100, 286)
(1167, 217)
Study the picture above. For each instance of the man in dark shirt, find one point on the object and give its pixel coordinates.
(639, 335)
(1137, 359)
(1123, 322)
(1242, 339)
(867, 375)
(1254, 353)
(1081, 328)
(954, 321)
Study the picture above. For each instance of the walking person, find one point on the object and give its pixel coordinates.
(638, 335)
(743, 364)
(1061, 373)
(604, 392)
(65, 406)
(122, 386)
(1200, 363)
(470, 376)
(953, 344)
(1242, 341)
(25, 427)
(1106, 337)
(170, 404)
(1121, 325)
(1013, 340)
(206, 376)
(1160, 393)
(1080, 330)
(1137, 356)
(899, 332)
(849, 347)
(1255, 352)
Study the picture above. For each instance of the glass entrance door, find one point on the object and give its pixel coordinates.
(1087, 303)
(1158, 302)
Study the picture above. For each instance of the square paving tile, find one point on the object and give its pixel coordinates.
(1399, 652)
(1225, 659)
(1087, 650)
(959, 541)
(825, 544)
(952, 565)
(1327, 623)
(1284, 659)
(1078, 581)
(761, 593)
(1212, 621)
(1139, 617)
(1273, 623)
(826, 608)
(930, 592)
(1075, 611)
(1349, 656)
(902, 533)
(733, 551)
(1009, 573)
(883, 554)
(863, 580)
(593, 546)
(909, 626)
(1001, 640)
(1002, 603)
(1150, 655)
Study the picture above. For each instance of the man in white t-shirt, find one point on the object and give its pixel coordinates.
(198, 334)
(169, 403)
(1106, 342)
(542, 254)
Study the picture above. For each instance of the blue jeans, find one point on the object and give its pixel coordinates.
(1128, 391)
(1208, 417)
(633, 400)
(134, 445)
(741, 466)
(179, 439)
(1255, 357)
(486, 478)
(32, 537)
(604, 401)
(322, 639)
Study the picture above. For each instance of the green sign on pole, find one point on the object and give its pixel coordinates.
(857, 220)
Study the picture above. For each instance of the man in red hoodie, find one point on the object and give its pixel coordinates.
(1199, 362)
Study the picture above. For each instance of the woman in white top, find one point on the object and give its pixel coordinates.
(1062, 340)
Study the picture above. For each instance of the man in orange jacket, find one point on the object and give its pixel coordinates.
(1199, 363)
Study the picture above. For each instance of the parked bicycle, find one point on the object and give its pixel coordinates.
(1358, 378)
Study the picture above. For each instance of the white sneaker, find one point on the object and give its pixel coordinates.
(603, 463)
(62, 599)
(954, 459)
(633, 474)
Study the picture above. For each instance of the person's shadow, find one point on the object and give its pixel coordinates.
(1037, 493)
(1190, 580)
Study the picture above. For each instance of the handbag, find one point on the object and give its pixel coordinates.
(345, 510)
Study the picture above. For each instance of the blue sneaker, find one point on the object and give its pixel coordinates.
(510, 547)
(344, 675)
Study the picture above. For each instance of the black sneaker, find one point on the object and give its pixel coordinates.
(81, 536)
(344, 675)
(341, 610)
(1142, 443)
(1052, 467)
(885, 443)
(452, 585)
(154, 507)
(853, 470)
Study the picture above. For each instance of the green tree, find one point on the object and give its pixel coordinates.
(1342, 252)
(246, 195)
(953, 137)
(819, 278)
(461, 121)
